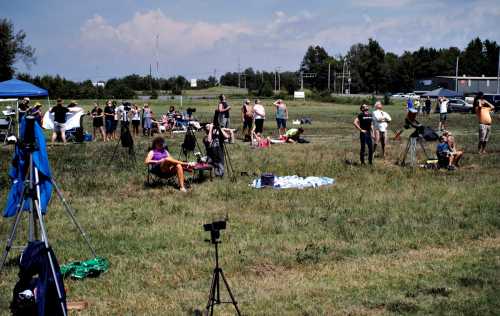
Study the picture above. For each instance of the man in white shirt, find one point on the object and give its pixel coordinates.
(443, 114)
(381, 120)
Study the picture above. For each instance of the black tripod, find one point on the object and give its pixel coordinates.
(411, 147)
(190, 143)
(227, 157)
(214, 296)
(125, 140)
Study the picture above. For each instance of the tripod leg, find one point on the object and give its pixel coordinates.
(46, 242)
(12, 235)
(211, 296)
(114, 151)
(230, 293)
(405, 153)
(71, 214)
(421, 142)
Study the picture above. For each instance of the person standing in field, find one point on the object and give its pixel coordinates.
(60, 112)
(98, 121)
(247, 119)
(281, 116)
(259, 115)
(443, 114)
(223, 112)
(483, 110)
(147, 120)
(381, 120)
(109, 117)
(428, 106)
(136, 119)
(363, 123)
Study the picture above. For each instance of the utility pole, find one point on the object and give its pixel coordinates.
(334, 82)
(343, 76)
(279, 77)
(329, 68)
(275, 81)
(305, 75)
(456, 75)
(150, 79)
(239, 73)
(498, 74)
(215, 76)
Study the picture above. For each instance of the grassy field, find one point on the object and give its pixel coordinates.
(384, 241)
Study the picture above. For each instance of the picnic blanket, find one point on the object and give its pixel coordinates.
(296, 182)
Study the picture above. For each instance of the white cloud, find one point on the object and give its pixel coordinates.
(382, 3)
(138, 35)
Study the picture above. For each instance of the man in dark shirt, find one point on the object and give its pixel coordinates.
(363, 122)
(223, 109)
(59, 120)
(109, 118)
(428, 106)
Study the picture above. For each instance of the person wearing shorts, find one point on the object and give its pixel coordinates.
(381, 121)
(98, 121)
(60, 112)
(281, 116)
(443, 114)
(483, 110)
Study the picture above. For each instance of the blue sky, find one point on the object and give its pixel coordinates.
(102, 39)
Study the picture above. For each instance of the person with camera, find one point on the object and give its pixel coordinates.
(97, 115)
(443, 114)
(223, 109)
(363, 123)
(162, 163)
(214, 146)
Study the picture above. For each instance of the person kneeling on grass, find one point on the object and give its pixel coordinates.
(162, 163)
(443, 151)
(457, 154)
(293, 135)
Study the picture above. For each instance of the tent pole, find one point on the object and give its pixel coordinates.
(17, 118)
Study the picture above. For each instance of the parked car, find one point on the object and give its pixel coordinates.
(459, 105)
(398, 95)
(493, 99)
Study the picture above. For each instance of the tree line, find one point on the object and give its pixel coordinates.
(372, 70)
(365, 68)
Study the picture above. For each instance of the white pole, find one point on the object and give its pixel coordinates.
(456, 76)
(498, 74)
(343, 75)
(17, 118)
(301, 81)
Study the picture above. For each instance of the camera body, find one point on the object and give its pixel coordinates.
(190, 111)
(214, 228)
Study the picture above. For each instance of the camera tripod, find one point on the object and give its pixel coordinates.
(32, 194)
(411, 147)
(214, 296)
(125, 138)
(190, 143)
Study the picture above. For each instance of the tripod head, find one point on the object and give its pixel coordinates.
(214, 228)
(28, 141)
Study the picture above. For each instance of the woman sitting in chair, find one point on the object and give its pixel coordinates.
(163, 164)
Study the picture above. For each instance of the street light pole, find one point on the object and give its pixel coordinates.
(456, 75)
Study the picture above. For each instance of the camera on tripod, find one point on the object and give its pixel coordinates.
(190, 111)
(214, 228)
(28, 141)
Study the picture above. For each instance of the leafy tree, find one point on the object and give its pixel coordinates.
(316, 61)
(13, 48)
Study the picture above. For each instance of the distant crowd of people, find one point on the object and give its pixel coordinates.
(372, 127)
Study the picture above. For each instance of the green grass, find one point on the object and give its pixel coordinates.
(384, 241)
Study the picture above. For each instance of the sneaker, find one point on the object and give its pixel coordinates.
(183, 190)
